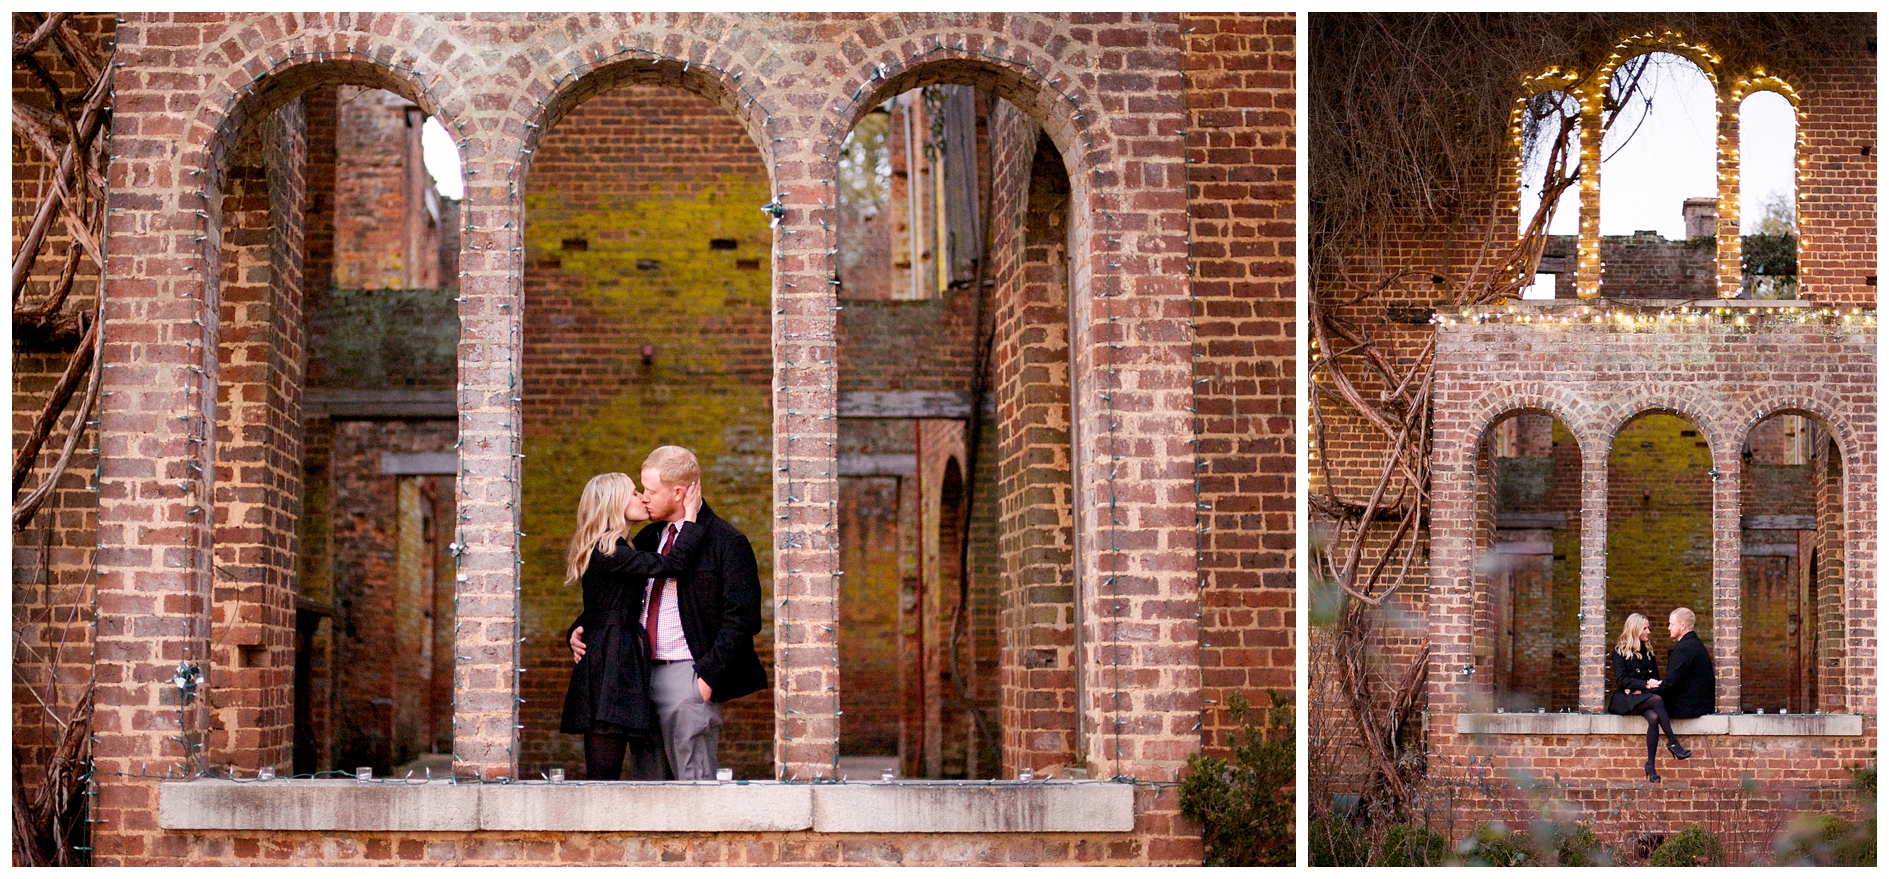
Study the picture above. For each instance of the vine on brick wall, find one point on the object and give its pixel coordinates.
(70, 132)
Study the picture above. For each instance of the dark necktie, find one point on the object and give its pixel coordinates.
(655, 589)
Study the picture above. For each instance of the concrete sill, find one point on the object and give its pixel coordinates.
(1709, 725)
(898, 807)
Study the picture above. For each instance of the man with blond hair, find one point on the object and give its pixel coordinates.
(701, 625)
(1689, 687)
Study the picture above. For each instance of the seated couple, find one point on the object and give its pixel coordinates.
(667, 632)
(1686, 691)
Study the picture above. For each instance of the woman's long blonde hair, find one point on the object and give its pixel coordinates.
(1630, 643)
(601, 521)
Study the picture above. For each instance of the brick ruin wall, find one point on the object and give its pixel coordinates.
(1597, 379)
(157, 60)
(1836, 269)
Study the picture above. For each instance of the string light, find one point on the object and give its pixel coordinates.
(1659, 317)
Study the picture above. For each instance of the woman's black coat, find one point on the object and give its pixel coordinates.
(1631, 672)
(611, 683)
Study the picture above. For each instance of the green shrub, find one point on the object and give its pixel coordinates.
(1693, 847)
(1408, 845)
(1336, 843)
(1245, 807)
(1498, 846)
(1577, 846)
(1828, 841)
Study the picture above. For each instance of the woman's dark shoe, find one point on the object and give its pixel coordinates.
(1650, 774)
(1678, 750)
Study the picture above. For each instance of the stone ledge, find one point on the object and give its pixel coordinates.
(975, 807)
(654, 806)
(900, 807)
(1709, 725)
(316, 804)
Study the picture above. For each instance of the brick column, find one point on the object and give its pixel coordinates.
(1728, 623)
(156, 416)
(1730, 247)
(485, 643)
(1133, 413)
(1594, 646)
(1587, 245)
(1860, 607)
(806, 484)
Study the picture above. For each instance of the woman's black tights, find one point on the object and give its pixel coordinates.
(603, 756)
(1657, 721)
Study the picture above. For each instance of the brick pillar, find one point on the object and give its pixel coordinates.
(1594, 637)
(485, 642)
(1728, 592)
(156, 417)
(1857, 475)
(1452, 542)
(1587, 247)
(1133, 424)
(806, 409)
(1730, 269)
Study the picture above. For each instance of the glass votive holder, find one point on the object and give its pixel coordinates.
(266, 773)
(363, 773)
(887, 775)
(556, 775)
(724, 775)
(1025, 775)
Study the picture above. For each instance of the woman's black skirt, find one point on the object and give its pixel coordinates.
(1626, 703)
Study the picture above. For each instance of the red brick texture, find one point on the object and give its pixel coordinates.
(258, 478)
(1242, 191)
(1109, 90)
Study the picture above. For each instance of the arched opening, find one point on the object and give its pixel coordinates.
(1767, 195)
(1660, 478)
(1659, 180)
(332, 620)
(1790, 565)
(1529, 568)
(1550, 159)
(647, 279)
(953, 240)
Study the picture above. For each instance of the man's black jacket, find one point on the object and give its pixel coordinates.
(719, 601)
(1689, 684)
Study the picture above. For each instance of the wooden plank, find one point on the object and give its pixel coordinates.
(351, 404)
(1778, 523)
(905, 404)
(419, 463)
(1557, 521)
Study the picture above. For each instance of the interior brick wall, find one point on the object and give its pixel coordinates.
(258, 496)
(1030, 362)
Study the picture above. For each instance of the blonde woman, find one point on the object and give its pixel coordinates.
(608, 700)
(1636, 674)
